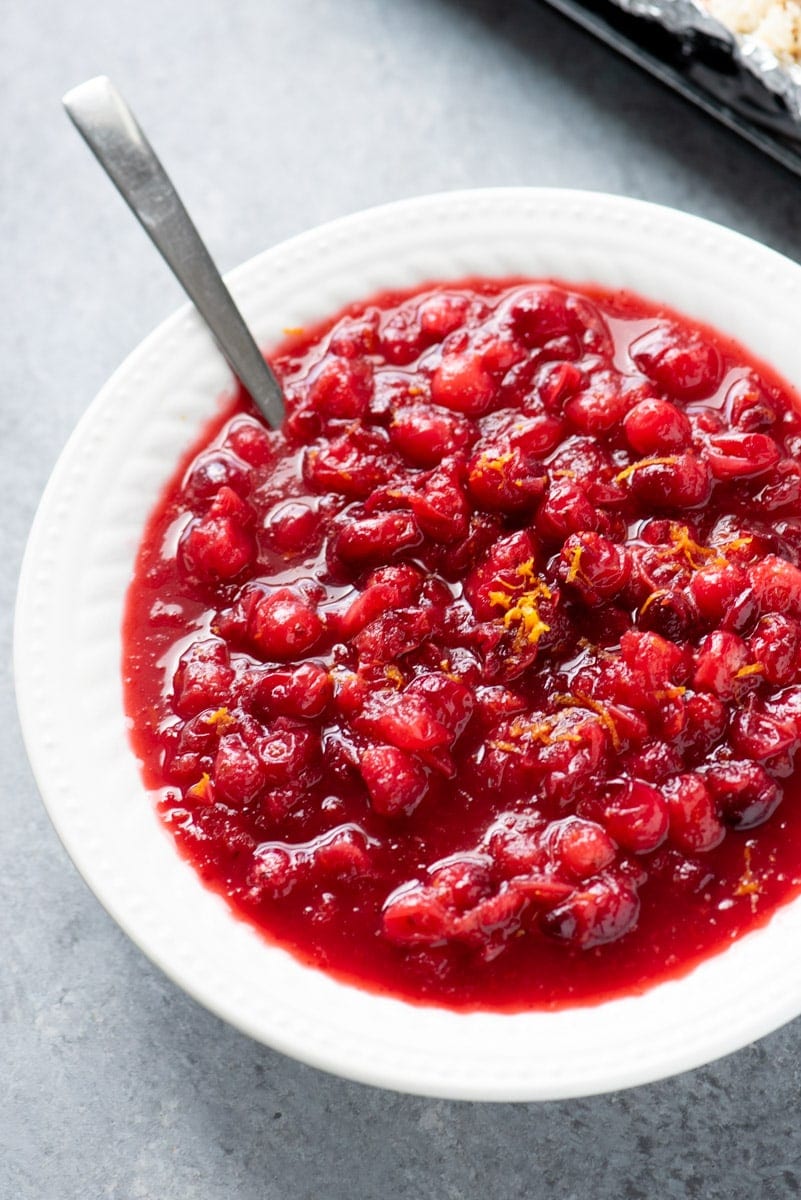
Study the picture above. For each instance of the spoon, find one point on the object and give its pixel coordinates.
(112, 133)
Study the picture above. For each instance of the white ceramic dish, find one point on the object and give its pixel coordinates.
(78, 565)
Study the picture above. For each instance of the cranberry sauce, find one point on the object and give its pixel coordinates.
(479, 683)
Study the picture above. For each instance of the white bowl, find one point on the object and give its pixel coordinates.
(68, 649)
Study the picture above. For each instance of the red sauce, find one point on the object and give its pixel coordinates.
(479, 683)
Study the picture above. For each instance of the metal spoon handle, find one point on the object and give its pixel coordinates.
(111, 131)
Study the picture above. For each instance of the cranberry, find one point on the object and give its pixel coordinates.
(507, 484)
(536, 434)
(287, 754)
(451, 702)
(683, 481)
(557, 383)
(597, 568)
(749, 408)
(437, 501)
(386, 588)
(580, 849)
(757, 734)
(238, 773)
(777, 585)
(505, 567)
(203, 678)
(715, 588)
(376, 539)
(394, 634)
(252, 443)
(776, 647)
(282, 625)
(441, 313)
(566, 509)
(218, 546)
(424, 435)
(401, 337)
(669, 613)
(695, 826)
(705, 723)
(637, 816)
(340, 387)
(303, 691)
(785, 489)
(541, 314)
(720, 660)
(599, 408)
(462, 385)
(352, 465)
(407, 722)
(354, 337)
(741, 455)
(211, 471)
(683, 364)
(395, 780)
(415, 917)
(657, 427)
(291, 526)
(745, 792)
(599, 913)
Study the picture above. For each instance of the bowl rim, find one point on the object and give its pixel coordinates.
(382, 1061)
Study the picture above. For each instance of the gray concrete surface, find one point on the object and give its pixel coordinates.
(273, 117)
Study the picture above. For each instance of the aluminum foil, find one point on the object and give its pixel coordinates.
(687, 19)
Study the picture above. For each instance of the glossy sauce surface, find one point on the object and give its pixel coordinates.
(479, 682)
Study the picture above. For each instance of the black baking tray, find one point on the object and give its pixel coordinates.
(700, 68)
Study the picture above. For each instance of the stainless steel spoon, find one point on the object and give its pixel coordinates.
(111, 131)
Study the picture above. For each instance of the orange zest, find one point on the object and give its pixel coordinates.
(645, 462)
(220, 719)
(579, 700)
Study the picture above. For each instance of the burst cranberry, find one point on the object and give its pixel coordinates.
(580, 848)
(741, 455)
(694, 822)
(777, 585)
(567, 509)
(745, 792)
(252, 443)
(287, 754)
(238, 773)
(203, 678)
(776, 648)
(395, 780)
(509, 483)
(720, 660)
(376, 539)
(350, 465)
(218, 547)
(684, 481)
(599, 913)
(637, 816)
(684, 364)
(340, 387)
(748, 406)
(424, 435)
(716, 588)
